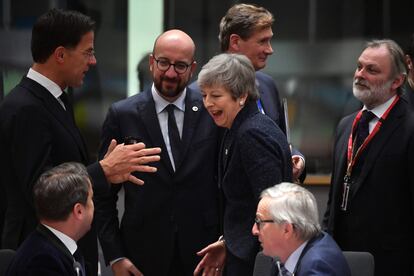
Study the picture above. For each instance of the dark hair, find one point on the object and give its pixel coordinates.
(243, 20)
(58, 28)
(410, 49)
(59, 189)
(144, 73)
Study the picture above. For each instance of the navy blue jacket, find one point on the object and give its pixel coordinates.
(322, 257)
(42, 254)
(258, 157)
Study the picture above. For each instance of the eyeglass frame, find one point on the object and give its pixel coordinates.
(89, 53)
(258, 222)
(173, 64)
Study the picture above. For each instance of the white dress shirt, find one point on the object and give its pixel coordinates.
(162, 114)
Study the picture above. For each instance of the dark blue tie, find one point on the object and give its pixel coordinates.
(174, 135)
(79, 264)
(68, 105)
(284, 271)
(362, 130)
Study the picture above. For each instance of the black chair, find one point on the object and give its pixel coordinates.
(360, 263)
(6, 256)
(263, 265)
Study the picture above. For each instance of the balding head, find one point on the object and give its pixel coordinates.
(172, 63)
(175, 40)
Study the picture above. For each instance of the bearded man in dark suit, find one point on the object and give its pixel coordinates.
(168, 220)
(371, 200)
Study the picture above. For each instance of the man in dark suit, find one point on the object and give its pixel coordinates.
(175, 214)
(63, 201)
(371, 200)
(247, 29)
(287, 224)
(38, 131)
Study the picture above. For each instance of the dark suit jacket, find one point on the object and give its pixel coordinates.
(380, 216)
(37, 134)
(322, 256)
(42, 254)
(270, 99)
(258, 157)
(171, 206)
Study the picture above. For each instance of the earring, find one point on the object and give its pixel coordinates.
(241, 103)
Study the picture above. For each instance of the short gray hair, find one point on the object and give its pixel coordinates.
(59, 189)
(294, 204)
(234, 72)
(399, 67)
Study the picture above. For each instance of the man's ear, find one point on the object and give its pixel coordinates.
(193, 67)
(398, 81)
(288, 229)
(59, 54)
(234, 41)
(78, 211)
(409, 62)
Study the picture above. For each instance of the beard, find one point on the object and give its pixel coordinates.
(170, 87)
(373, 94)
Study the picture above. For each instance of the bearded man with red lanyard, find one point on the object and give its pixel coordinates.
(371, 200)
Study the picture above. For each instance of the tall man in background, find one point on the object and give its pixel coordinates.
(371, 200)
(38, 130)
(247, 29)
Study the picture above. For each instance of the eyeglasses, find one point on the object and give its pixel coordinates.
(179, 67)
(88, 53)
(260, 221)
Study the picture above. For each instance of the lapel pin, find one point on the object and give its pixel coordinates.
(195, 108)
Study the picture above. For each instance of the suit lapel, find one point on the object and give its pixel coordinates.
(53, 106)
(193, 109)
(342, 158)
(379, 142)
(266, 97)
(150, 120)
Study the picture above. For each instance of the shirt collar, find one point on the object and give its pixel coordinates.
(51, 86)
(293, 259)
(161, 103)
(65, 239)
(380, 110)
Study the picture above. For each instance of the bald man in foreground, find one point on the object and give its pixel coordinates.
(175, 213)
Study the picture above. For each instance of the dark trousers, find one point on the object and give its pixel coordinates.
(177, 267)
(237, 267)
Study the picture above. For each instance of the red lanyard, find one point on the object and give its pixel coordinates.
(353, 157)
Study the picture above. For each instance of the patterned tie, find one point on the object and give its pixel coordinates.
(174, 135)
(362, 130)
(284, 271)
